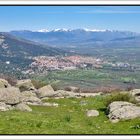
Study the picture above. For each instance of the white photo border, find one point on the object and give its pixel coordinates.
(59, 3)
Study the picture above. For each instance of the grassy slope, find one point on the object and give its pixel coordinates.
(69, 118)
(90, 78)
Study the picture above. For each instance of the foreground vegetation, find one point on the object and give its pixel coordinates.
(69, 118)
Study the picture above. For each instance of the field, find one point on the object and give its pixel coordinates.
(95, 78)
(69, 118)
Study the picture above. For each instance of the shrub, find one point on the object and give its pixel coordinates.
(55, 87)
(120, 97)
(11, 80)
(67, 88)
(129, 88)
(67, 118)
(71, 88)
(104, 89)
(137, 126)
(38, 84)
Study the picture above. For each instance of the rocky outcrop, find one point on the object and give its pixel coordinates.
(5, 107)
(120, 110)
(63, 93)
(136, 94)
(23, 107)
(22, 95)
(73, 89)
(92, 113)
(29, 97)
(25, 85)
(4, 83)
(70, 94)
(46, 91)
(10, 95)
(89, 94)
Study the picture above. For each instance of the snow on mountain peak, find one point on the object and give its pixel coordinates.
(95, 30)
(61, 30)
(68, 30)
(43, 30)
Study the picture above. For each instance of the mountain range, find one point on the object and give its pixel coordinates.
(79, 37)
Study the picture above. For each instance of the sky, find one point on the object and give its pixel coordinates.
(124, 18)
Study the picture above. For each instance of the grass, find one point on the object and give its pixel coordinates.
(120, 97)
(93, 78)
(69, 118)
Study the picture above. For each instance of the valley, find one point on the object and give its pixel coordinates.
(94, 65)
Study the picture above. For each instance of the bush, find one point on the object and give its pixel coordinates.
(11, 80)
(67, 118)
(55, 87)
(73, 89)
(120, 97)
(104, 89)
(38, 84)
(137, 126)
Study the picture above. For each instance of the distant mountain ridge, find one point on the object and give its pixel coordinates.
(68, 37)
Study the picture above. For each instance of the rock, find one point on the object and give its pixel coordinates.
(62, 93)
(90, 94)
(29, 93)
(30, 100)
(23, 107)
(29, 97)
(25, 85)
(46, 91)
(51, 104)
(44, 98)
(72, 88)
(4, 107)
(70, 94)
(135, 93)
(120, 110)
(43, 104)
(10, 95)
(83, 102)
(92, 113)
(4, 83)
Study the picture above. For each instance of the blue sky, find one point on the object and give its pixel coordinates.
(71, 17)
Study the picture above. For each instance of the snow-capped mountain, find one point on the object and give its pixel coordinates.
(43, 30)
(69, 30)
(76, 37)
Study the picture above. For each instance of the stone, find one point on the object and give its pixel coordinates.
(29, 93)
(73, 89)
(10, 95)
(25, 85)
(135, 93)
(90, 94)
(4, 83)
(4, 107)
(23, 107)
(70, 94)
(83, 102)
(120, 110)
(92, 113)
(51, 104)
(63, 93)
(46, 91)
(29, 97)
(30, 100)
(44, 104)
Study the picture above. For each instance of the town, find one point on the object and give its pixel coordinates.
(43, 64)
